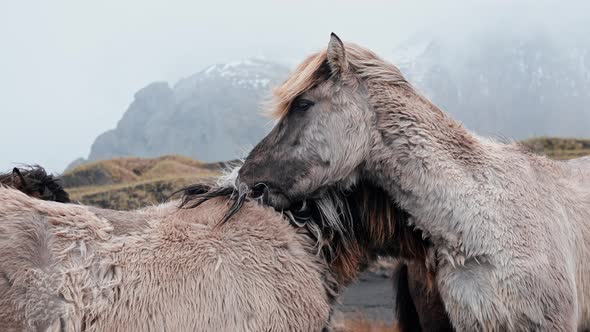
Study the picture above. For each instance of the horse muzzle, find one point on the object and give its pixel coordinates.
(271, 196)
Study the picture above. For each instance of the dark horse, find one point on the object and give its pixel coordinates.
(35, 182)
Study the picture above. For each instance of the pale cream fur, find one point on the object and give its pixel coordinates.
(69, 268)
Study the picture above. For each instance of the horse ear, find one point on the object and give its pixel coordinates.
(18, 181)
(337, 56)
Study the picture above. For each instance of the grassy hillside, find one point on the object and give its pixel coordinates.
(130, 183)
(559, 148)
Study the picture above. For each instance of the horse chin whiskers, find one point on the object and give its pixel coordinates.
(229, 177)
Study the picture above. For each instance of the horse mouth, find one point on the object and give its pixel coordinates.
(271, 196)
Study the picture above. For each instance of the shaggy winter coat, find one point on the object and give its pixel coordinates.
(76, 268)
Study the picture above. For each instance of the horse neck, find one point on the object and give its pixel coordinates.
(424, 159)
(410, 130)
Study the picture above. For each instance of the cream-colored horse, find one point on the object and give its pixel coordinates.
(74, 268)
(512, 229)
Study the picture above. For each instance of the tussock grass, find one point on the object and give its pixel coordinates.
(559, 148)
(131, 183)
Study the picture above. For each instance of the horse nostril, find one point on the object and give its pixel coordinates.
(299, 206)
(259, 190)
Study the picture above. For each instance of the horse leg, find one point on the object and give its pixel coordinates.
(405, 310)
(426, 298)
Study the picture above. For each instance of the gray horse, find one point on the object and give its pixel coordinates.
(511, 229)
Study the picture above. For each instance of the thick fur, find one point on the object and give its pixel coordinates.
(510, 228)
(351, 227)
(68, 268)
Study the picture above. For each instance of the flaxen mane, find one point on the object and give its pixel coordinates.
(315, 70)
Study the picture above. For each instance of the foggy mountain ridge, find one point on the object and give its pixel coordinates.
(211, 115)
(511, 87)
(517, 88)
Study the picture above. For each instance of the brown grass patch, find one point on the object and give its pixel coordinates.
(131, 183)
(559, 148)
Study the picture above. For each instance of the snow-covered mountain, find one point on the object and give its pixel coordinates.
(211, 115)
(250, 73)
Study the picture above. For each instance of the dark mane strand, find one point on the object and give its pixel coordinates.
(197, 194)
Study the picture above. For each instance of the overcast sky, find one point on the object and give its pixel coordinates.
(69, 69)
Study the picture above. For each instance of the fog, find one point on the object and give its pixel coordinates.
(69, 69)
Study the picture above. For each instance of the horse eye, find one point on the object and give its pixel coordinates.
(302, 105)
